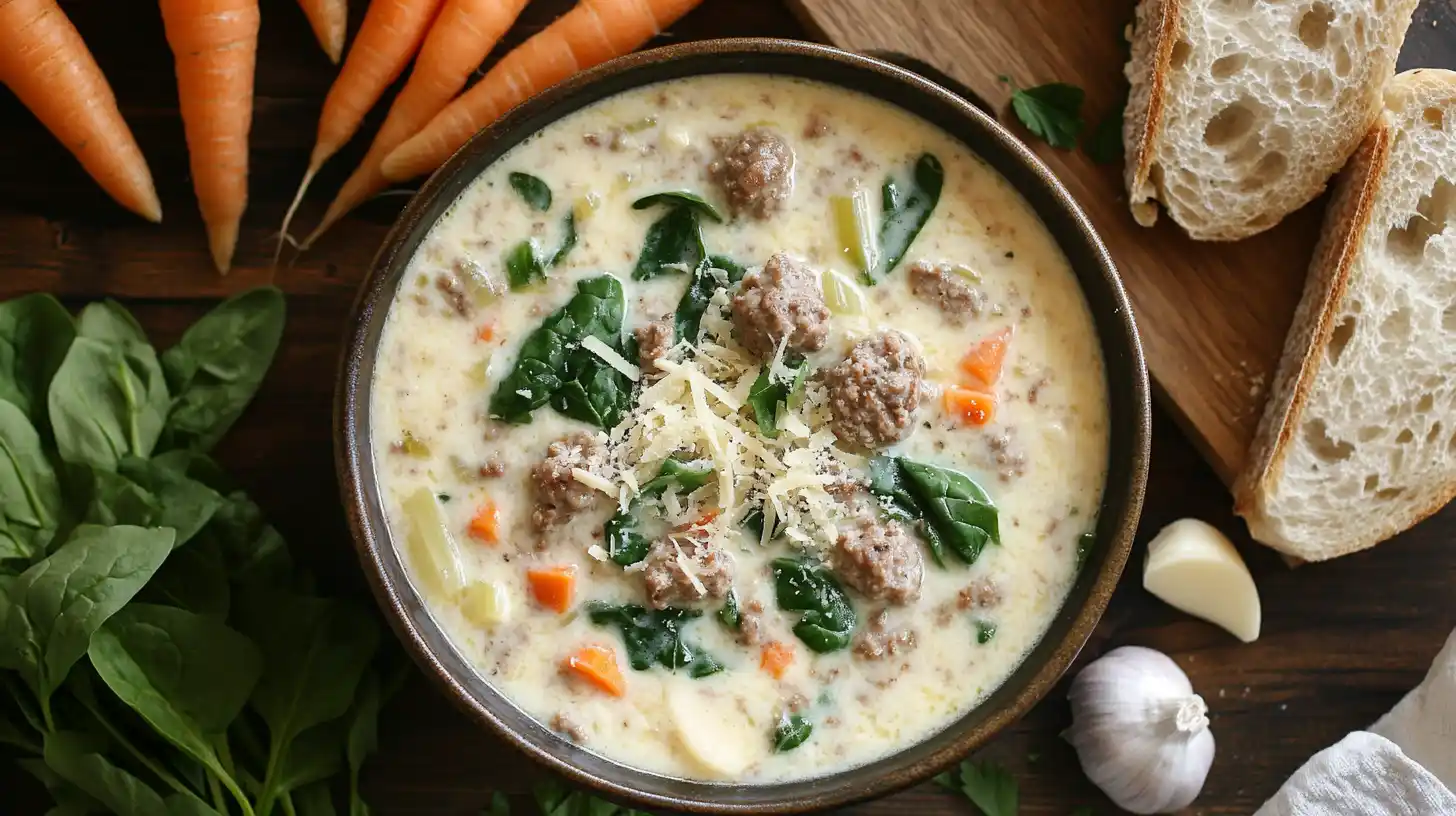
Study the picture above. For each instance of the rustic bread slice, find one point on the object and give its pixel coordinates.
(1358, 440)
(1242, 110)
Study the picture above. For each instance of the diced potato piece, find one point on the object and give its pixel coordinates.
(486, 604)
(843, 296)
(432, 550)
(718, 737)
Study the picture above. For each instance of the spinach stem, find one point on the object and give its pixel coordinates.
(45, 712)
(270, 778)
(287, 802)
(161, 773)
(22, 702)
(215, 791)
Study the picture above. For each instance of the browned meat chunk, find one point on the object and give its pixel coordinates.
(653, 342)
(880, 559)
(940, 286)
(567, 727)
(875, 390)
(682, 569)
(559, 496)
(984, 595)
(756, 171)
(782, 300)
(750, 624)
(1009, 457)
(878, 641)
(453, 291)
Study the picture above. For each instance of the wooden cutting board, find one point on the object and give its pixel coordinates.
(1212, 316)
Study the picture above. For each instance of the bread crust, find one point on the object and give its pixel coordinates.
(1152, 52)
(1341, 238)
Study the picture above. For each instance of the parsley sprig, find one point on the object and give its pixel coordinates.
(1052, 112)
(989, 786)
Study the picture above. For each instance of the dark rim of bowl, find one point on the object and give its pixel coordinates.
(1125, 372)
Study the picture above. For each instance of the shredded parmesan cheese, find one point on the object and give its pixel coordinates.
(594, 481)
(610, 356)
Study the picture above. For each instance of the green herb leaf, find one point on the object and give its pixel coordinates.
(568, 240)
(110, 322)
(552, 367)
(905, 215)
(769, 392)
(791, 732)
(108, 399)
(655, 636)
(687, 476)
(49, 613)
(954, 506)
(680, 198)
(35, 333)
(1052, 112)
(673, 245)
(187, 675)
(1085, 543)
(990, 788)
(714, 273)
(30, 493)
(217, 366)
(363, 736)
(985, 632)
(523, 265)
(828, 620)
(1104, 145)
(729, 614)
(534, 191)
(625, 545)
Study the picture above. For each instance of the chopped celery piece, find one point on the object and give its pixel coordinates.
(486, 604)
(414, 447)
(432, 549)
(585, 205)
(852, 226)
(479, 373)
(842, 295)
(641, 124)
(483, 286)
(966, 272)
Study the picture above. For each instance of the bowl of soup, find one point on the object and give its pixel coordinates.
(744, 426)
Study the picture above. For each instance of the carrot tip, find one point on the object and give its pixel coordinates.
(223, 241)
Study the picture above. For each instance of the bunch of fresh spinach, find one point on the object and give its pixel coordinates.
(904, 213)
(674, 242)
(952, 510)
(527, 261)
(625, 544)
(159, 651)
(828, 620)
(553, 367)
(655, 637)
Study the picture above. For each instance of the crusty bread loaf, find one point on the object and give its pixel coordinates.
(1358, 440)
(1242, 110)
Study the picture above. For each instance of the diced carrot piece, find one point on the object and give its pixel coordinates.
(984, 361)
(485, 525)
(701, 521)
(485, 333)
(776, 657)
(969, 406)
(597, 665)
(553, 586)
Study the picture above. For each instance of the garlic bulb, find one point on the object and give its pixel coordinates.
(1140, 732)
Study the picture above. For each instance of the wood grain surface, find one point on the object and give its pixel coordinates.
(1342, 641)
(1213, 315)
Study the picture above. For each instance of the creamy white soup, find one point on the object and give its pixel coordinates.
(757, 480)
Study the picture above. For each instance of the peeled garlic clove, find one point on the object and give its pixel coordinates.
(1140, 732)
(1192, 567)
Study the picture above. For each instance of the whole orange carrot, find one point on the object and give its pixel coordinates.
(459, 39)
(45, 63)
(591, 33)
(329, 19)
(388, 37)
(215, 45)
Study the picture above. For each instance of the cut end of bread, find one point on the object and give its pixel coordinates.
(1242, 110)
(1358, 441)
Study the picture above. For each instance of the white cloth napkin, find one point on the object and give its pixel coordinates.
(1405, 765)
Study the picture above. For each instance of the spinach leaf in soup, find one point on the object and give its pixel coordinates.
(729, 614)
(49, 613)
(35, 333)
(828, 620)
(686, 475)
(674, 242)
(625, 544)
(768, 392)
(905, 213)
(552, 366)
(30, 492)
(985, 632)
(714, 273)
(655, 637)
(216, 368)
(680, 198)
(1085, 543)
(532, 190)
(527, 261)
(952, 510)
(791, 732)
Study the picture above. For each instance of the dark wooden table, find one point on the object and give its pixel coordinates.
(1342, 641)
